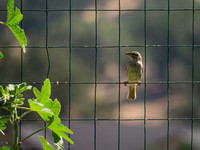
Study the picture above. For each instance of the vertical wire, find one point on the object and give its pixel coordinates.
(95, 80)
(47, 49)
(119, 43)
(21, 80)
(193, 62)
(168, 70)
(145, 42)
(70, 52)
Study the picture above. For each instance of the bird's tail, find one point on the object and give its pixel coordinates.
(132, 92)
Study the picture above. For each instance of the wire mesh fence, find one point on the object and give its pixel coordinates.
(80, 46)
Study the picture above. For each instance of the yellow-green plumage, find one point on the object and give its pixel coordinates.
(132, 92)
(134, 71)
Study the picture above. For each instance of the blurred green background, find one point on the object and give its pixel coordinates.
(33, 67)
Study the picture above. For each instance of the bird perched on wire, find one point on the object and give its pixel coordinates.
(134, 70)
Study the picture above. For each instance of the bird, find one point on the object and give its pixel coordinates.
(134, 70)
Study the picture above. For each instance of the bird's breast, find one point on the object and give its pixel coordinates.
(133, 71)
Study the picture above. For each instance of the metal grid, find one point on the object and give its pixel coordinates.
(96, 46)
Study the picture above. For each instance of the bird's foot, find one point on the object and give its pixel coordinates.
(139, 83)
(125, 83)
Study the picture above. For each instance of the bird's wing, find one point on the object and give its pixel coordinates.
(142, 68)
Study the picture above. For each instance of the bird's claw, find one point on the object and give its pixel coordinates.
(139, 83)
(125, 83)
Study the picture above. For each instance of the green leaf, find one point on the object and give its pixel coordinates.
(43, 98)
(4, 148)
(23, 87)
(2, 126)
(45, 144)
(54, 106)
(1, 91)
(17, 89)
(2, 97)
(10, 7)
(58, 141)
(45, 92)
(13, 19)
(54, 123)
(16, 18)
(1, 55)
(56, 137)
(50, 121)
(4, 119)
(37, 93)
(14, 93)
(20, 35)
(44, 112)
(60, 129)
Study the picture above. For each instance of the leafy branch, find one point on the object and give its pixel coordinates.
(14, 17)
(49, 111)
(11, 99)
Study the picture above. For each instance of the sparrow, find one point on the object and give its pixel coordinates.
(134, 70)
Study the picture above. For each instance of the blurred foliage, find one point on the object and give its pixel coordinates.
(176, 143)
(179, 145)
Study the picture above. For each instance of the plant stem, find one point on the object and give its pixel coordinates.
(1, 22)
(25, 113)
(33, 134)
(23, 108)
(9, 143)
(16, 127)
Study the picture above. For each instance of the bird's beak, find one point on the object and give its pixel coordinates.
(128, 54)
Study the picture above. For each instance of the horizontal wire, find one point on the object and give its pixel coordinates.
(92, 82)
(100, 46)
(113, 119)
(149, 9)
